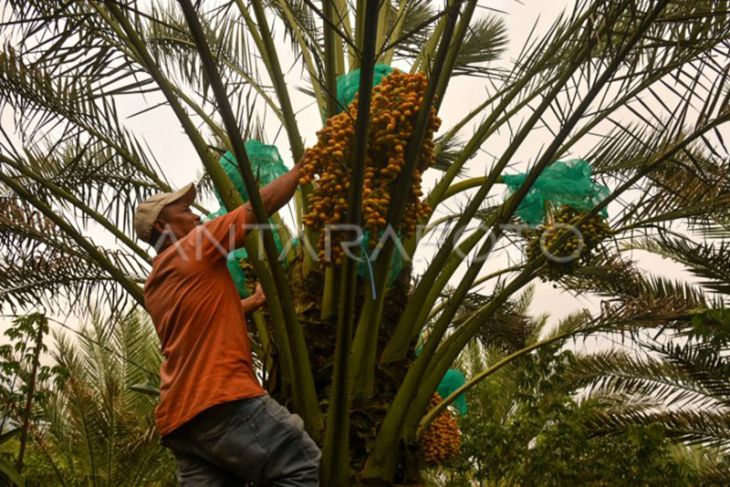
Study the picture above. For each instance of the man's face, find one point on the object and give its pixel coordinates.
(178, 219)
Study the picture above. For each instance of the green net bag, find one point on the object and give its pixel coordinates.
(267, 165)
(364, 269)
(349, 84)
(452, 380)
(236, 272)
(234, 268)
(563, 183)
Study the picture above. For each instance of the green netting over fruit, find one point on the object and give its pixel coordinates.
(452, 380)
(396, 262)
(563, 183)
(267, 165)
(349, 84)
(236, 272)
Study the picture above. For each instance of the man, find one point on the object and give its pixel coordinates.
(219, 422)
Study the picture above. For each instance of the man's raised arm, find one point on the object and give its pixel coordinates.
(228, 232)
(276, 194)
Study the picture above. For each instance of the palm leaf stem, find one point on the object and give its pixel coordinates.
(359, 34)
(343, 19)
(440, 306)
(456, 42)
(277, 78)
(94, 253)
(62, 193)
(330, 58)
(332, 107)
(365, 344)
(470, 183)
(328, 294)
(453, 131)
(450, 266)
(477, 378)
(307, 57)
(383, 15)
(336, 443)
(397, 30)
(214, 127)
(305, 398)
(124, 29)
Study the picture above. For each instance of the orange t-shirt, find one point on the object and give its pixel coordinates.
(197, 313)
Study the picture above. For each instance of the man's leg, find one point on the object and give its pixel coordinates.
(256, 439)
(193, 471)
(267, 444)
(293, 456)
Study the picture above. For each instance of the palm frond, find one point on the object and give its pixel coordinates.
(41, 265)
(707, 367)
(102, 427)
(304, 22)
(708, 261)
(418, 23)
(619, 372)
(508, 329)
(172, 45)
(706, 428)
(485, 40)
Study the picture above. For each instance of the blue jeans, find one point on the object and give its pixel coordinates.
(251, 441)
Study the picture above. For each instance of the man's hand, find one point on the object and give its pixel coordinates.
(253, 302)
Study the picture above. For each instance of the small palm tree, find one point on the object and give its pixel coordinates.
(96, 429)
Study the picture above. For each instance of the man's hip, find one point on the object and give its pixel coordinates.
(253, 440)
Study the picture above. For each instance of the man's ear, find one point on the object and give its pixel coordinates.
(159, 226)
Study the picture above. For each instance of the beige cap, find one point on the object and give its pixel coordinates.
(147, 212)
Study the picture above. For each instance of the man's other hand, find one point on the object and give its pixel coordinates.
(255, 301)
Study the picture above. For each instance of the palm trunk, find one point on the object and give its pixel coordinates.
(31, 392)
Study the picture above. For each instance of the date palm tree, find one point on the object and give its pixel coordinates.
(637, 87)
